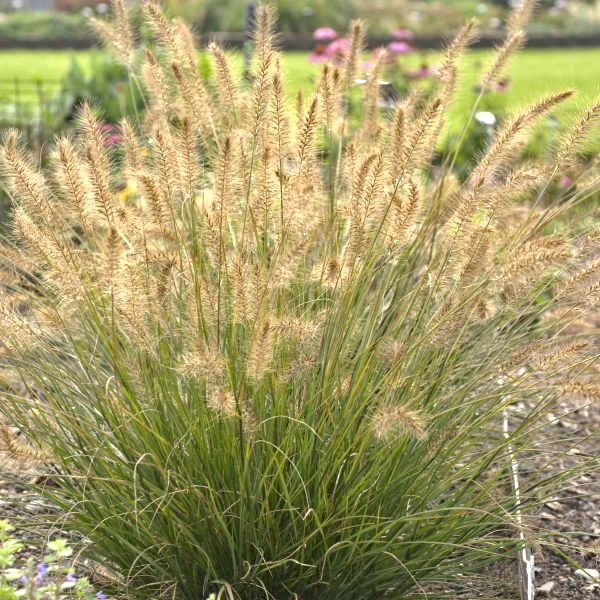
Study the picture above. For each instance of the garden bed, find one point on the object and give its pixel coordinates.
(22, 505)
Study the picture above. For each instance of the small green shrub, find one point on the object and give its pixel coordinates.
(278, 364)
(105, 86)
(54, 27)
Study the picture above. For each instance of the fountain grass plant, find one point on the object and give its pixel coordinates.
(275, 363)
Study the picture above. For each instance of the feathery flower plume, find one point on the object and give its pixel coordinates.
(24, 181)
(476, 256)
(508, 138)
(98, 164)
(355, 49)
(397, 134)
(263, 32)
(328, 96)
(415, 139)
(20, 451)
(196, 100)
(533, 258)
(548, 360)
(184, 39)
(261, 350)
(299, 110)
(162, 29)
(262, 90)
(510, 46)
(282, 136)
(69, 171)
(131, 149)
(151, 187)
(111, 258)
(371, 98)
(592, 293)
(156, 84)
(238, 275)
(455, 49)
(202, 364)
(265, 190)
(119, 36)
(226, 87)
(357, 208)
(520, 15)
(577, 135)
(305, 143)
(36, 240)
(404, 210)
(397, 421)
(570, 285)
(372, 209)
(166, 161)
(188, 158)
(587, 390)
(222, 402)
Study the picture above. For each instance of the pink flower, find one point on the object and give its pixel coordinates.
(337, 50)
(324, 33)
(109, 140)
(565, 182)
(501, 85)
(110, 134)
(389, 58)
(403, 34)
(399, 48)
(319, 54)
(315, 57)
(420, 73)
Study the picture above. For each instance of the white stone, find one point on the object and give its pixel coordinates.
(485, 117)
(589, 574)
(546, 589)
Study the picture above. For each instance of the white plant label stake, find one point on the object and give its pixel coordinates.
(526, 558)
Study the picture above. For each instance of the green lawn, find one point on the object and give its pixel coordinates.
(21, 72)
(533, 73)
(31, 64)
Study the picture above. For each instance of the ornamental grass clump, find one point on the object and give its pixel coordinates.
(277, 366)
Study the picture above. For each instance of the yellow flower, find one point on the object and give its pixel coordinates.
(127, 191)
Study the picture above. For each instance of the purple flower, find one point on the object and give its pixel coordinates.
(324, 34)
(42, 569)
(100, 595)
(399, 48)
(70, 578)
(23, 579)
(403, 34)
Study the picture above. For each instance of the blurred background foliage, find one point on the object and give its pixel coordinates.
(427, 17)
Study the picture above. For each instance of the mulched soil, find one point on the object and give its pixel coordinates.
(578, 513)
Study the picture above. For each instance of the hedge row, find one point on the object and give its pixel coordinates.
(64, 30)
